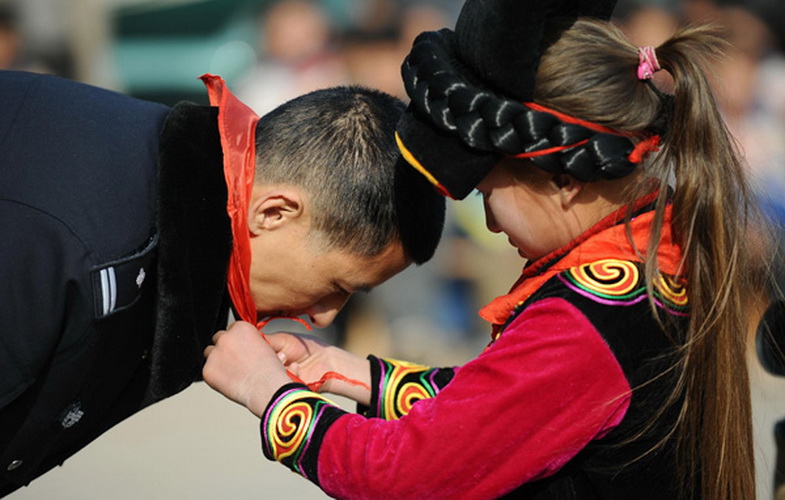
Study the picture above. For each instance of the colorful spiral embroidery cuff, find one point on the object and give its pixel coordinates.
(397, 385)
(293, 427)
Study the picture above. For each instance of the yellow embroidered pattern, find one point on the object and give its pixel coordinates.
(620, 282)
(403, 384)
(289, 423)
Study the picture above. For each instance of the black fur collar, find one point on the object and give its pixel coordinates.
(194, 249)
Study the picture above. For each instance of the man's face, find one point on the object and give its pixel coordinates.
(295, 278)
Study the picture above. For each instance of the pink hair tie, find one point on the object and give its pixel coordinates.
(647, 63)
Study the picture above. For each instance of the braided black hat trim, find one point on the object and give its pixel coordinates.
(486, 122)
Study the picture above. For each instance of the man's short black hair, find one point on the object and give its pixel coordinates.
(338, 145)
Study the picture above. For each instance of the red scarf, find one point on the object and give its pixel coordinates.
(605, 240)
(237, 128)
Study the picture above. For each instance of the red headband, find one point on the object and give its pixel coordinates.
(642, 148)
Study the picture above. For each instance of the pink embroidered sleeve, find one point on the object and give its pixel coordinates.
(517, 413)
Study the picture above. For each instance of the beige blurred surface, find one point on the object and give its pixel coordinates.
(196, 445)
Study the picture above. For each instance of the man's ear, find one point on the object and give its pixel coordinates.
(569, 187)
(272, 208)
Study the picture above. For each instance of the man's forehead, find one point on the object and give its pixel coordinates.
(366, 272)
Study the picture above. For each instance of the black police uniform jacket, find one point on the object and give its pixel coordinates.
(114, 244)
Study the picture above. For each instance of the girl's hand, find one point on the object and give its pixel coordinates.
(242, 366)
(305, 356)
(310, 358)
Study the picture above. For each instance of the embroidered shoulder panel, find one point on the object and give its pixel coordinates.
(619, 282)
(293, 427)
(609, 282)
(397, 385)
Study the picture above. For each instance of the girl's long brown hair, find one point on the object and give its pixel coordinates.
(590, 73)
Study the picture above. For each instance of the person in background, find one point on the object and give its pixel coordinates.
(12, 45)
(296, 54)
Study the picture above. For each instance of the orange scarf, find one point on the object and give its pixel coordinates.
(605, 240)
(237, 126)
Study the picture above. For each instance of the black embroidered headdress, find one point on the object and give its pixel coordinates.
(471, 91)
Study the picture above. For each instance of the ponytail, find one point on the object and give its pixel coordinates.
(590, 72)
(712, 220)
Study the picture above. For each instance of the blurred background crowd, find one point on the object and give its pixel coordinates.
(272, 50)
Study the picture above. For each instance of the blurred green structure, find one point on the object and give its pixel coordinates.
(161, 48)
